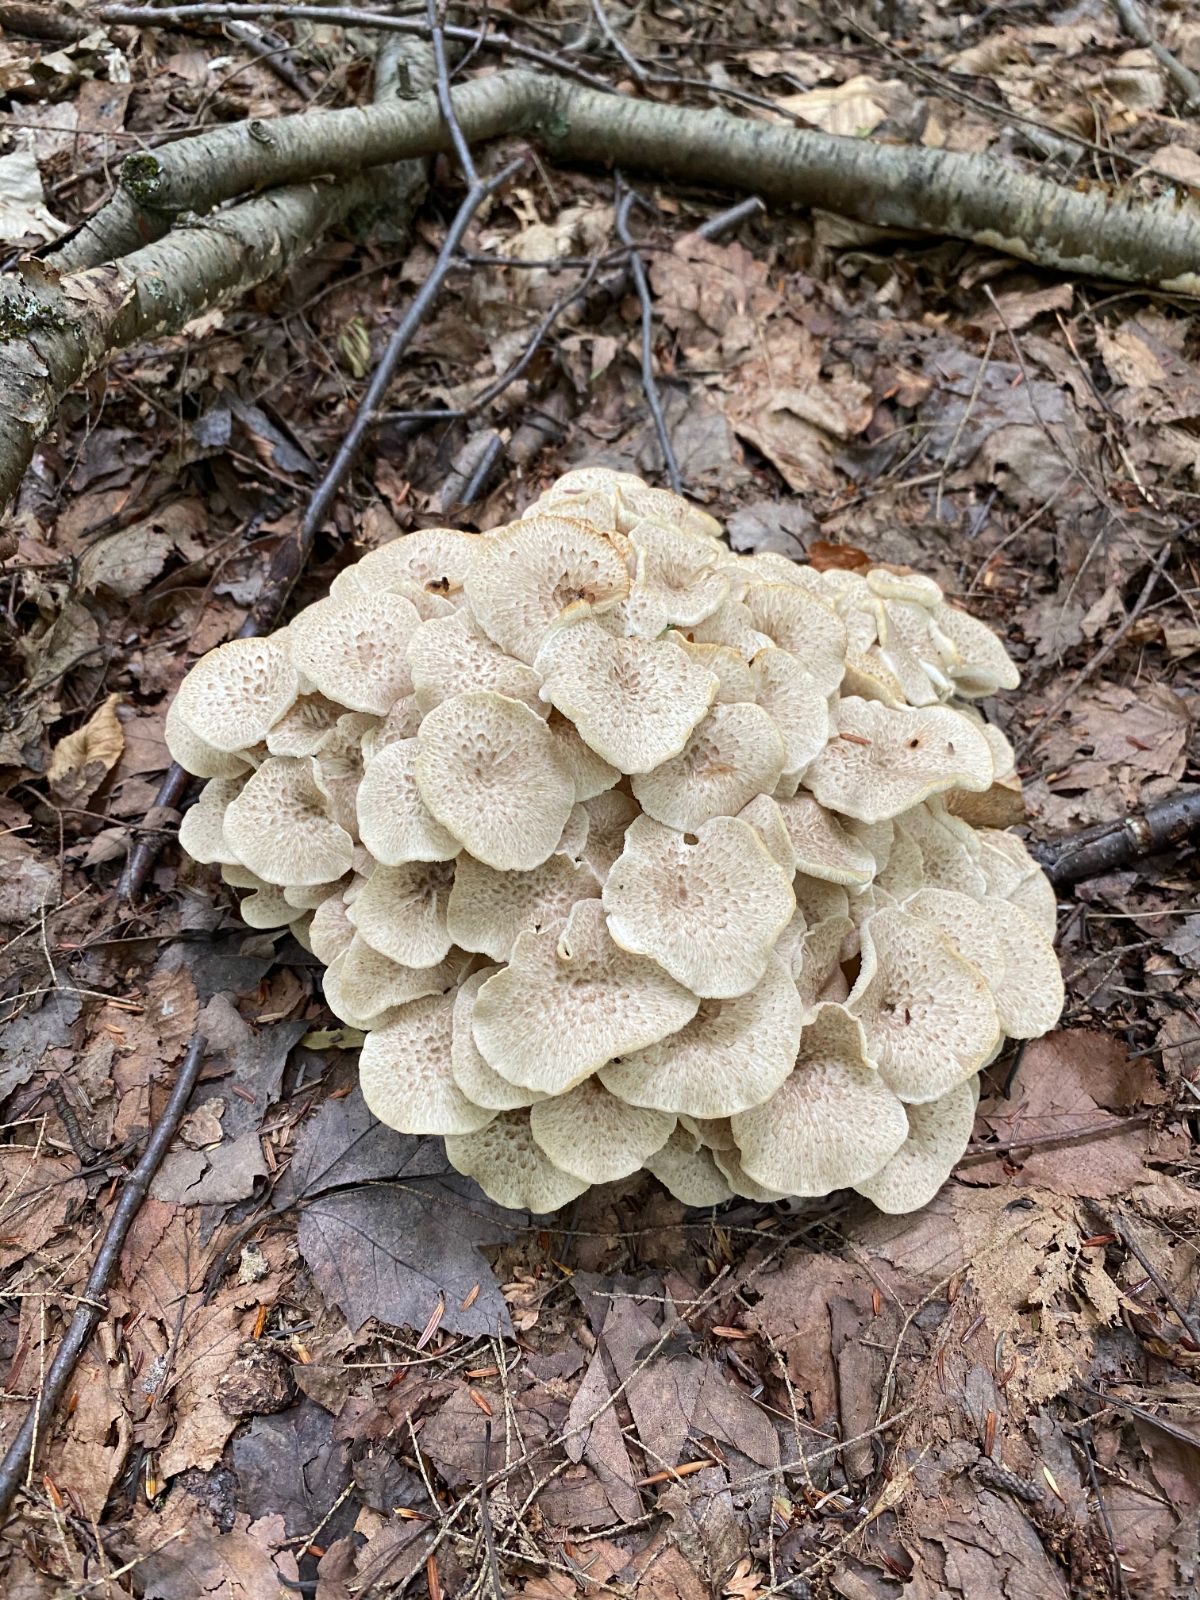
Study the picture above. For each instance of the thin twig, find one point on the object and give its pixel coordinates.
(1102, 655)
(144, 853)
(1085, 1445)
(1109, 846)
(485, 1516)
(1164, 1424)
(462, 150)
(610, 35)
(1135, 26)
(637, 271)
(20, 1453)
(1116, 1222)
(726, 221)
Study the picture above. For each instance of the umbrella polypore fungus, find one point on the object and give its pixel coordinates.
(627, 852)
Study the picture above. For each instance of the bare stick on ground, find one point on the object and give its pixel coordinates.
(91, 1305)
(637, 269)
(1136, 27)
(1113, 845)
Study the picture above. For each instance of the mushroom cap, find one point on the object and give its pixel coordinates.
(354, 648)
(831, 1124)
(973, 655)
(233, 695)
(279, 826)
(677, 578)
(822, 847)
(1001, 806)
(609, 815)
(733, 755)
(510, 1167)
(709, 912)
(402, 722)
(732, 1055)
(729, 1165)
(938, 1133)
(688, 1171)
(1011, 951)
(481, 1084)
(817, 898)
(927, 1012)
(438, 559)
(589, 773)
(488, 909)
(911, 586)
(948, 848)
(404, 1070)
(634, 701)
(489, 771)
(796, 704)
(540, 573)
(363, 987)
(883, 761)
(202, 829)
(394, 822)
(816, 962)
(304, 726)
(569, 1001)
(330, 932)
(1013, 875)
(195, 755)
(266, 908)
(638, 502)
(592, 1134)
(450, 655)
(764, 816)
(735, 682)
(401, 912)
(804, 625)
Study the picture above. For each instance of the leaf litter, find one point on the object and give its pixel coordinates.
(322, 1342)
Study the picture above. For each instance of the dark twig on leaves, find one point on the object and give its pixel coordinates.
(485, 1516)
(91, 1305)
(484, 468)
(1113, 845)
(726, 221)
(1116, 1223)
(1163, 1424)
(142, 857)
(1108, 649)
(637, 270)
(1085, 1445)
(613, 40)
(1136, 27)
(273, 52)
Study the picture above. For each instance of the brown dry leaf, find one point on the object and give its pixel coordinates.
(185, 1557)
(80, 762)
(97, 1432)
(1177, 161)
(1053, 1095)
(852, 109)
(36, 1198)
(1129, 737)
(793, 1314)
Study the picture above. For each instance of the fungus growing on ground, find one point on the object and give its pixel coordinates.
(625, 851)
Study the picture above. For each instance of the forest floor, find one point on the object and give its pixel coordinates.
(316, 1338)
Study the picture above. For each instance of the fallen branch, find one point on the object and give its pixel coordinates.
(1113, 845)
(91, 1307)
(58, 330)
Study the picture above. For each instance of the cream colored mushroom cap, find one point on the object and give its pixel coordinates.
(279, 826)
(883, 761)
(974, 656)
(266, 908)
(634, 701)
(592, 1134)
(1010, 950)
(938, 1133)
(195, 755)
(202, 830)
(687, 1171)
(816, 962)
(709, 912)
(677, 572)
(927, 1012)
(948, 847)
(450, 655)
(481, 1084)
(354, 648)
(729, 1165)
(911, 586)
(438, 559)
(232, 695)
(404, 1070)
(590, 774)
(796, 704)
(304, 726)
(363, 987)
(394, 822)
(569, 1001)
(822, 847)
(489, 771)
(732, 1055)
(803, 624)
(1012, 874)
(540, 573)
(733, 755)
(764, 816)
(402, 912)
(510, 1167)
(331, 932)
(609, 815)
(735, 683)
(831, 1124)
(487, 909)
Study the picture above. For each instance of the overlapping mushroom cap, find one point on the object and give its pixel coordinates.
(625, 851)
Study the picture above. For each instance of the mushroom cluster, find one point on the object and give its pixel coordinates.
(625, 851)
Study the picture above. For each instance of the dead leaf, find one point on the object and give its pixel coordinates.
(80, 762)
(24, 218)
